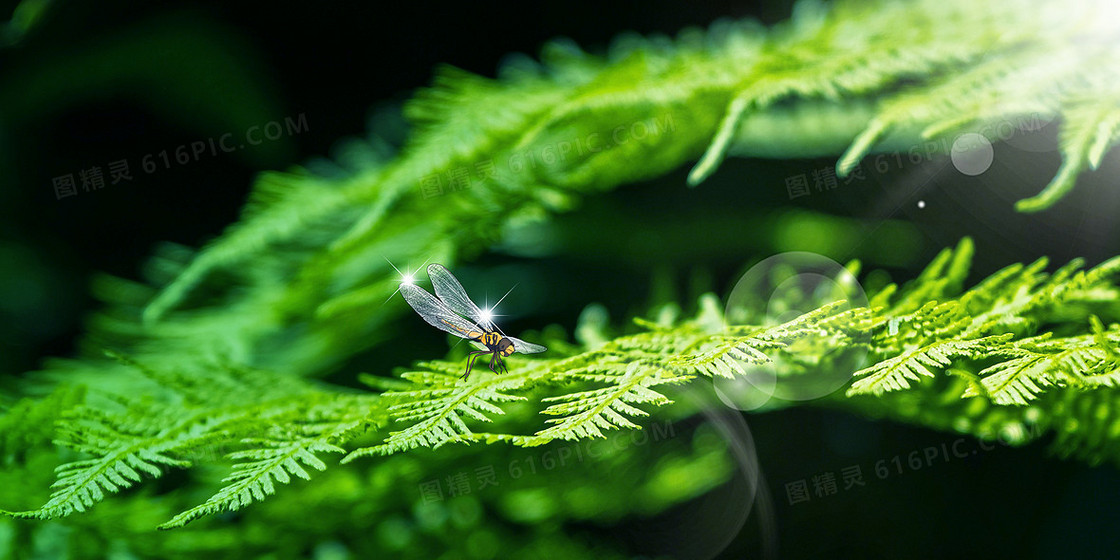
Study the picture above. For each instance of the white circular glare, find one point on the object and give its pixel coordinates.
(780, 289)
(921, 204)
(408, 279)
(748, 391)
(487, 315)
(972, 154)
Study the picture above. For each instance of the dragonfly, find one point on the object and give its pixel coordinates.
(452, 311)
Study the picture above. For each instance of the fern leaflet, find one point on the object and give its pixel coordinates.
(253, 479)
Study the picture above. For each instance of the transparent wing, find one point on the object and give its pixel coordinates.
(451, 292)
(436, 314)
(525, 347)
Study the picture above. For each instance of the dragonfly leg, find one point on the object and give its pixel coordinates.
(470, 359)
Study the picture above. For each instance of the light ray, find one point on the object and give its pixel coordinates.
(407, 277)
(489, 314)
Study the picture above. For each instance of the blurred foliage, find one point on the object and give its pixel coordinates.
(25, 17)
(216, 362)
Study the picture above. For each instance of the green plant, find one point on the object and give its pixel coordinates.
(215, 362)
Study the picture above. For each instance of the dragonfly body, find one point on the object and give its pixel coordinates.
(495, 342)
(452, 311)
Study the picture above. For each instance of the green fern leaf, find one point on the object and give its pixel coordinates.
(1086, 361)
(587, 413)
(81, 484)
(32, 421)
(439, 407)
(1091, 128)
(255, 478)
(286, 292)
(893, 374)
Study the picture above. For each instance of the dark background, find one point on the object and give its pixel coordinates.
(97, 82)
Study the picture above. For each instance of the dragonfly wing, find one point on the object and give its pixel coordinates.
(525, 347)
(436, 314)
(451, 292)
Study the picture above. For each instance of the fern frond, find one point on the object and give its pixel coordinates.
(954, 58)
(255, 477)
(812, 58)
(721, 358)
(83, 483)
(892, 374)
(1087, 361)
(1091, 128)
(941, 279)
(283, 207)
(32, 421)
(141, 436)
(439, 406)
(995, 320)
(286, 292)
(587, 413)
(615, 384)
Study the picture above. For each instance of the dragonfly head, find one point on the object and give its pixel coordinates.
(505, 347)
